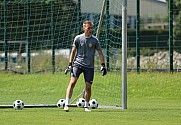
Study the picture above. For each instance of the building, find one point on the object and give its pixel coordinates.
(149, 11)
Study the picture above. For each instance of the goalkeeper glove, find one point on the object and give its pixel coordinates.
(69, 68)
(103, 69)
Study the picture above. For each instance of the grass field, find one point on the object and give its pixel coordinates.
(153, 99)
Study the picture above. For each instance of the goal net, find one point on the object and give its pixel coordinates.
(35, 40)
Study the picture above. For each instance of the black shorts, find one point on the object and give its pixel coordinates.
(88, 73)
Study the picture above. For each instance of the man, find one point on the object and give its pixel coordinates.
(82, 61)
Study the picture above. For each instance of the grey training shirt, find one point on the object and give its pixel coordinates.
(86, 47)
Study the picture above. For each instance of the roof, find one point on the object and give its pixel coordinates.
(164, 1)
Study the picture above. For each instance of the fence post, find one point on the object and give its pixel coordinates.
(5, 35)
(52, 36)
(28, 57)
(137, 36)
(170, 5)
(79, 16)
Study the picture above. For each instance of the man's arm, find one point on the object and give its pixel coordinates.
(101, 56)
(103, 66)
(72, 54)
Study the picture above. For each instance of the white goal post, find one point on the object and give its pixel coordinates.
(124, 54)
(124, 47)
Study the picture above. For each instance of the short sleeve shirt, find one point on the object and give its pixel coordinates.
(86, 47)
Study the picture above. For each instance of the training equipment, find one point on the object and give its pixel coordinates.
(80, 95)
(18, 105)
(101, 19)
(37, 38)
(61, 103)
(93, 103)
(80, 102)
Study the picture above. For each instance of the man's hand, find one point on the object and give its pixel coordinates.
(103, 69)
(69, 68)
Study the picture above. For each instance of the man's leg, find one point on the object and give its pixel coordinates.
(87, 96)
(69, 92)
(88, 76)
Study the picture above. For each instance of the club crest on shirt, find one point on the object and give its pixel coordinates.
(90, 45)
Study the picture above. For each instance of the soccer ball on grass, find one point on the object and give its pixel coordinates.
(61, 103)
(93, 103)
(80, 102)
(18, 105)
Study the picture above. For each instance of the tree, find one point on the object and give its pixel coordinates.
(177, 20)
(40, 21)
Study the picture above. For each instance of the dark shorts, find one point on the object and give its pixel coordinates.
(87, 72)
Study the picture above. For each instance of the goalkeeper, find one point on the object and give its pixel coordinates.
(82, 61)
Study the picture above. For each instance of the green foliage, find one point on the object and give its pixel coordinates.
(177, 19)
(40, 23)
(148, 38)
(177, 28)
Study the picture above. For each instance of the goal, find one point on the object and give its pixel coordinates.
(36, 42)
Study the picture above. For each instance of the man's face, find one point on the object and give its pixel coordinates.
(88, 29)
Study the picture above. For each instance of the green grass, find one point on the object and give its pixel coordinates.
(153, 99)
(139, 112)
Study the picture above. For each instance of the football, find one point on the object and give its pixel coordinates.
(18, 105)
(93, 103)
(61, 103)
(80, 102)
